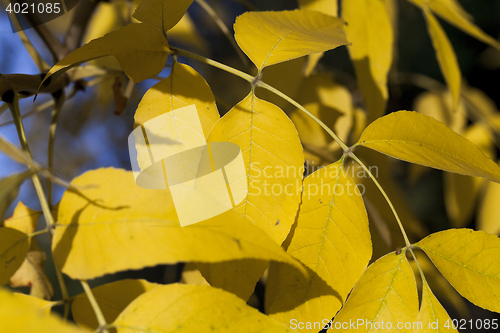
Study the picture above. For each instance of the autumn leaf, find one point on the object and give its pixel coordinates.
(14, 246)
(416, 138)
(385, 293)
(140, 228)
(464, 255)
(19, 314)
(9, 188)
(174, 307)
(370, 32)
(268, 38)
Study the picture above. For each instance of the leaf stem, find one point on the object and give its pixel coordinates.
(59, 99)
(354, 157)
(213, 63)
(97, 310)
(38, 233)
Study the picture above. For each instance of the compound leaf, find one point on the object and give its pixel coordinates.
(468, 259)
(112, 225)
(173, 308)
(268, 38)
(415, 138)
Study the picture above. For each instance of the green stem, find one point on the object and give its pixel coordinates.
(59, 101)
(16, 114)
(354, 157)
(213, 63)
(97, 310)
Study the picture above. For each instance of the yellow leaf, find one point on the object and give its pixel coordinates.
(273, 159)
(461, 192)
(445, 55)
(274, 165)
(415, 138)
(468, 259)
(141, 50)
(9, 188)
(451, 11)
(115, 225)
(40, 304)
(13, 248)
(189, 308)
(312, 62)
(112, 299)
(438, 105)
(385, 295)
(432, 315)
(183, 87)
(268, 38)
(332, 236)
(24, 219)
(163, 14)
(18, 314)
(370, 32)
(292, 298)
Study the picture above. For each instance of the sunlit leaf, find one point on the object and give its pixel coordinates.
(445, 55)
(274, 166)
(370, 32)
(385, 293)
(488, 218)
(23, 219)
(18, 314)
(465, 255)
(452, 11)
(432, 315)
(183, 87)
(141, 50)
(40, 304)
(163, 14)
(116, 225)
(268, 38)
(112, 299)
(331, 236)
(416, 138)
(189, 308)
(13, 248)
(439, 105)
(191, 275)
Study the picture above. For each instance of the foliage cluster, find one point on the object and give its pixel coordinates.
(304, 234)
